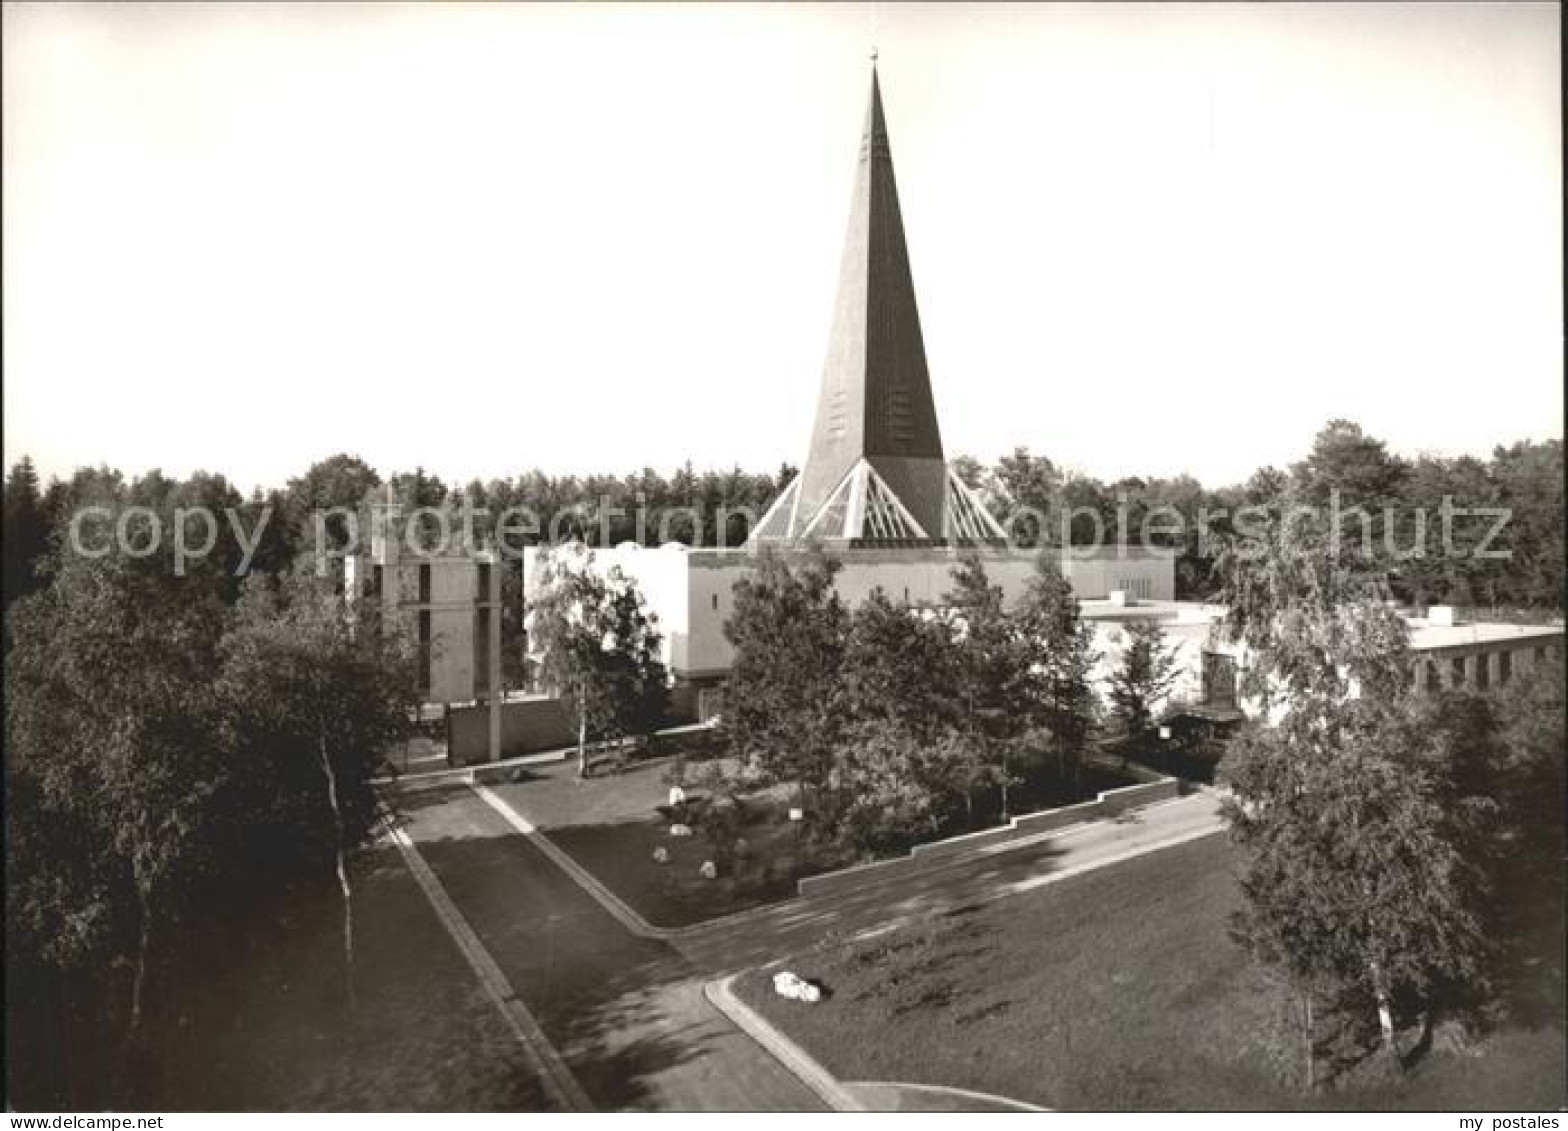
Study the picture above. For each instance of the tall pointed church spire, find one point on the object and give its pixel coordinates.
(875, 471)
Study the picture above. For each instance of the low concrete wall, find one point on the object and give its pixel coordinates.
(528, 726)
(1136, 796)
(956, 845)
(1109, 803)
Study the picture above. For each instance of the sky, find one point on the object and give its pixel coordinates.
(484, 238)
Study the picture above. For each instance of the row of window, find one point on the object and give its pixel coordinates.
(1475, 670)
(375, 582)
(1219, 672)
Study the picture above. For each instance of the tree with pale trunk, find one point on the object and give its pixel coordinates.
(598, 645)
(117, 758)
(318, 689)
(1355, 880)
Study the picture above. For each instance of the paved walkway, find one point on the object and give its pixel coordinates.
(626, 1014)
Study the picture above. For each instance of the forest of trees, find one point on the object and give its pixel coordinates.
(1524, 568)
(1356, 469)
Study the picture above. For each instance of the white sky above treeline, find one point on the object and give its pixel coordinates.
(1146, 240)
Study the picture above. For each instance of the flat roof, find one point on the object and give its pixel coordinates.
(1423, 636)
(1426, 637)
(1183, 612)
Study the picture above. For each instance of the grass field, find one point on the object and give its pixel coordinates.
(610, 825)
(1115, 990)
(276, 1035)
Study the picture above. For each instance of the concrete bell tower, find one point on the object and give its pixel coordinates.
(875, 472)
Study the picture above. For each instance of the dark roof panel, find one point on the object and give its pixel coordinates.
(875, 397)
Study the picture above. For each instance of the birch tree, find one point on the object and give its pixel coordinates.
(319, 689)
(599, 647)
(116, 759)
(1354, 879)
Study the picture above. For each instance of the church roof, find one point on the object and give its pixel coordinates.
(875, 439)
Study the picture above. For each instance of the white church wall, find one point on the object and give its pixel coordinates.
(692, 591)
(1144, 576)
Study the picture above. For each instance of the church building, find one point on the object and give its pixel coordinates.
(876, 492)
(875, 489)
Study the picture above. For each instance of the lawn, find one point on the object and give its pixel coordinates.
(610, 824)
(273, 1032)
(1116, 990)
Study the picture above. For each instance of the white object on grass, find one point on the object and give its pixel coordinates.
(709, 870)
(786, 983)
(680, 830)
(661, 855)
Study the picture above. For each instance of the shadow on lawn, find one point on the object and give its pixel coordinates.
(1526, 981)
(618, 1046)
(1019, 866)
(251, 1013)
(1528, 971)
(885, 909)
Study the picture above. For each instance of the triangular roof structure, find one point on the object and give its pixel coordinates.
(875, 472)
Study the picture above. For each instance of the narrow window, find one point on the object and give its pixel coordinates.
(1219, 679)
(481, 653)
(424, 652)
